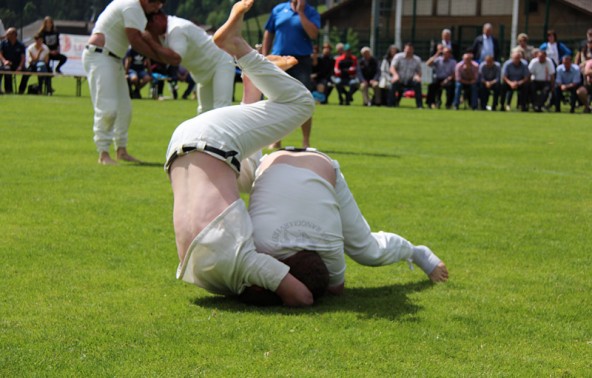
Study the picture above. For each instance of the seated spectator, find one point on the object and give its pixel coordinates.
(515, 77)
(12, 57)
(585, 90)
(322, 71)
(542, 73)
(443, 66)
(466, 80)
(37, 61)
(162, 73)
(346, 81)
(51, 38)
(584, 55)
(489, 82)
(139, 72)
(555, 50)
(406, 71)
(369, 76)
(524, 47)
(385, 87)
(184, 75)
(568, 81)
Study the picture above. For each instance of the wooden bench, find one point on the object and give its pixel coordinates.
(78, 78)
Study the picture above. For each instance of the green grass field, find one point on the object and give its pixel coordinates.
(87, 280)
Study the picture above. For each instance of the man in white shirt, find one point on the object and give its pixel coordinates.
(542, 72)
(37, 56)
(211, 68)
(121, 24)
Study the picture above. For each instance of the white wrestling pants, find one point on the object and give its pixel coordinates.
(110, 98)
(216, 91)
(247, 128)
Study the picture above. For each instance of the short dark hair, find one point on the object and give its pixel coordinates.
(305, 266)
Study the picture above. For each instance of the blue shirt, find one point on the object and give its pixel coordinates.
(513, 72)
(290, 37)
(568, 77)
(11, 52)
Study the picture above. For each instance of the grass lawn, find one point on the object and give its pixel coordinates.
(87, 279)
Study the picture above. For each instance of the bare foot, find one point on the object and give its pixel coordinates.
(275, 145)
(229, 36)
(283, 62)
(105, 159)
(439, 274)
(123, 155)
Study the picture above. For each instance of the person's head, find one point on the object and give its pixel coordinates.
(551, 36)
(589, 34)
(48, 24)
(487, 29)
(408, 49)
(589, 44)
(489, 61)
(566, 61)
(467, 58)
(516, 57)
(446, 35)
(391, 51)
(11, 34)
(542, 56)
(294, 5)
(157, 23)
(522, 39)
(339, 48)
(347, 49)
(327, 49)
(446, 53)
(38, 39)
(306, 266)
(151, 6)
(366, 52)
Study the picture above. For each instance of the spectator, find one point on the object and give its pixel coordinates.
(51, 38)
(346, 81)
(339, 49)
(585, 90)
(555, 49)
(446, 41)
(406, 71)
(485, 44)
(162, 73)
(211, 68)
(466, 78)
(444, 66)
(542, 73)
(12, 57)
(322, 68)
(568, 80)
(584, 55)
(290, 30)
(524, 47)
(489, 82)
(37, 61)
(386, 89)
(369, 76)
(2, 31)
(121, 24)
(139, 71)
(515, 77)
(184, 75)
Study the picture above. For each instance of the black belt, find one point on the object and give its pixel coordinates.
(100, 50)
(229, 156)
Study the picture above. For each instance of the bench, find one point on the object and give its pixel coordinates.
(78, 78)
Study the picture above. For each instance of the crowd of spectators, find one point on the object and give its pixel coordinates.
(478, 78)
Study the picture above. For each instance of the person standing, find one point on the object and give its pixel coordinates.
(121, 24)
(212, 68)
(486, 44)
(51, 38)
(290, 30)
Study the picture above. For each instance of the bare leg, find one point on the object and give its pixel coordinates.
(105, 159)
(229, 36)
(306, 127)
(251, 93)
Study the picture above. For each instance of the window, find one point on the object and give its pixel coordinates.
(423, 8)
(463, 8)
(496, 8)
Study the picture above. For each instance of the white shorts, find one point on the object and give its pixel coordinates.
(222, 257)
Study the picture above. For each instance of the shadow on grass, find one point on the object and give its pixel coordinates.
(144, 164)
(388, 302)
(354, 153)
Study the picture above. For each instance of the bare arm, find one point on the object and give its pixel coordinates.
(267, 42)
(311, 29)
(150, 48)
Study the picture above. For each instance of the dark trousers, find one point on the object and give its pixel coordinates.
(539, 93)
(346, 88)
(43, 81)
(60, 58)
(435, 90)
(507, 92)
(560, 96)
(484, 93)
(400, 87)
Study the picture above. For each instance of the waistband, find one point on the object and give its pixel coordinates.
(101, 50)
(229, 156)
